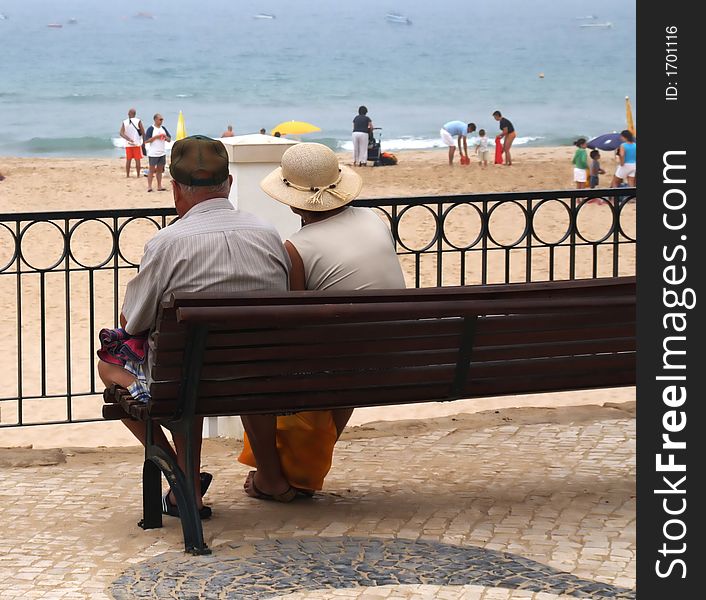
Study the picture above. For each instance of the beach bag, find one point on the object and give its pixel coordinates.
(387, 158)
(144, 149)
(305, 442)
(498, 151)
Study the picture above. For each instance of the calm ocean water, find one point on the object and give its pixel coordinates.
(64, 91)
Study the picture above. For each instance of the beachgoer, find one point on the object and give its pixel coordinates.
(627, 154)
(362, 129)
(263, 131)
(132, 131)
(2, 177)
(157, 136)
(595, 168)
(482, 148)
(212, 247)
(461, 131)
(228, 132)
(339, 247)
(278, 134)
(580, 162)
(507, 133)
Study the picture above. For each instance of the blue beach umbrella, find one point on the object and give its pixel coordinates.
(607, 141)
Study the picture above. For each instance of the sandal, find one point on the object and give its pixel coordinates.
(286, 496)
(172, 510)
(205, 480)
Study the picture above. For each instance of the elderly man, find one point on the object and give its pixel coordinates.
(212, 247)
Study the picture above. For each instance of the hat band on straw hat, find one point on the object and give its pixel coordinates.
(318, 196)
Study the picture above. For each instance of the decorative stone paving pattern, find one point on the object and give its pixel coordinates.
(423, 592)
(269, 569)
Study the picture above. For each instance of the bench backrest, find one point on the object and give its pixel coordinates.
(259, 352)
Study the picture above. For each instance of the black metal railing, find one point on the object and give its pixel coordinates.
(65, 274)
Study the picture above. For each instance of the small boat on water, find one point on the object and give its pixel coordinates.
(3, 17)
(606, 25)
(72, 21)
(397, 18)
(264, 16)
(586, 18)
(55, 25)
(143, 15)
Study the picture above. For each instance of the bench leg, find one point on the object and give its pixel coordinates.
(151, 496)
(183, 489)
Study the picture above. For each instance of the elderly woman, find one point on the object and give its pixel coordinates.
(339, 247)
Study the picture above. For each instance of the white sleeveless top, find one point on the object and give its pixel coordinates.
(353, 250)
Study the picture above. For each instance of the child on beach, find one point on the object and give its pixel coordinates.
(482, 148)
(595, 168)
(580, 162)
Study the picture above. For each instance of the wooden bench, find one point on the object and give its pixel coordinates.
(263, 353)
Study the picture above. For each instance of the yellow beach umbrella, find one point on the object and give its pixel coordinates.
(181, 128)
(294, 128)
(628, 116)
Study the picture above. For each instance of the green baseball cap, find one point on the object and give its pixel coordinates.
(199, 161)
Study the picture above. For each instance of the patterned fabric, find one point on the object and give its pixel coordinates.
(118, 346)
(140, 390)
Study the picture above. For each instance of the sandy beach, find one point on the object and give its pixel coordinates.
(55, 184)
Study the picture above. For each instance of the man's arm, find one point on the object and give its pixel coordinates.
(144, 292)
(148, 135)
(123, 134)
(459, 143)
(169, 135)
(465, 145)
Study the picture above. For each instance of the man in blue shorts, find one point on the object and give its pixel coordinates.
(157, 137)
(461, 131)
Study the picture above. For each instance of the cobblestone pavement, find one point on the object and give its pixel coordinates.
(519, 511)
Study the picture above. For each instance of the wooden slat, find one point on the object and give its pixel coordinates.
(575, 288)
(255, 317)
(551, 383)
(254, 404)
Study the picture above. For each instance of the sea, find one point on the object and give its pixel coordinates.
(71, 69)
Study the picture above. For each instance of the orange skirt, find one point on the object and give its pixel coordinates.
(305, 442)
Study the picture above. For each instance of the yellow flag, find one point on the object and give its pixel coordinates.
(628, 116)
(181, 128)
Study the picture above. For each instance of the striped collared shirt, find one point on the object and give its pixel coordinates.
(212, 248)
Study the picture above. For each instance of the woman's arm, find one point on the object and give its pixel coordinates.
(297, 275)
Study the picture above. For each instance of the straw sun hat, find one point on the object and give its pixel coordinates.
(310, 178)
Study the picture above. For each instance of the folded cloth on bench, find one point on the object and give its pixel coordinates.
(118, 346)
(305, 442)
(140, 390)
